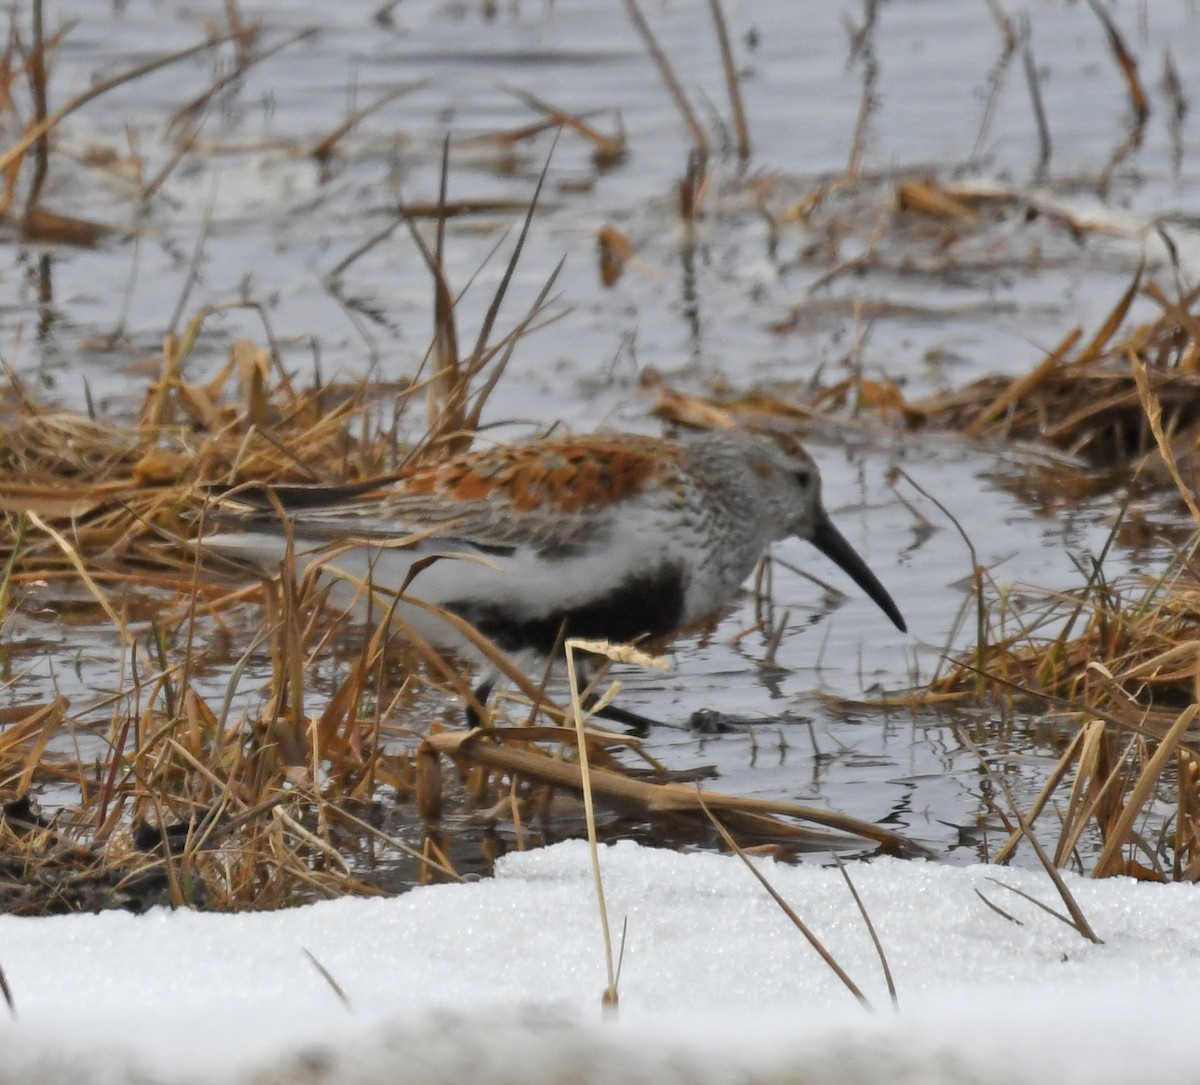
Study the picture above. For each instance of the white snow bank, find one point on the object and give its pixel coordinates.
(500, 981)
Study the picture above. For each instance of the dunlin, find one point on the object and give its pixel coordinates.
(614, 537)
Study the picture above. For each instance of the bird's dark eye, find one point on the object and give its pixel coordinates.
(804, 478)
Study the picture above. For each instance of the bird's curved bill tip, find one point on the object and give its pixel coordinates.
(832, 543)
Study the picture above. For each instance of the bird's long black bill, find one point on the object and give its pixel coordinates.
(833, 545)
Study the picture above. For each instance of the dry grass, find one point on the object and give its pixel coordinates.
(1084, 398)
(237, 764)
(1081, 400)
(1119, 663)
(228, 802)
(1116, 669)
(1115, 666)
(297, 778)
(188, 800)
(241, 800)
(167, 791)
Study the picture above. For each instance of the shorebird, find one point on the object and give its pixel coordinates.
(611, 536)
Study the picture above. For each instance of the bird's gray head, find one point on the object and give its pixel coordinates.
(791, 488)
(788, 481)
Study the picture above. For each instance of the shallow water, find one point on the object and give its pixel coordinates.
(739, 306)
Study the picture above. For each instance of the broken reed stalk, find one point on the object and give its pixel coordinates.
(607, 150)
(1031, 899)
(446, 410)
(453, 417)
(1057, 775)
(328, 977)
(866, 917)
(1173, 89)
(324, 148)
(1137, 96)
(174, 352)
(611, 997)
(1082, 807)
(998, 910)
(476, 361)
(18, 539)
(72, 554)
(6, 991)
(1004, 24)
(1126, 62)
(622, 790)
(1141, 792)
(37, 89)
(995, 77)
(863, 48)
(1153, 409)
(977, 573)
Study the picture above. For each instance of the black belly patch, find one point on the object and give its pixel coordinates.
(643, 606)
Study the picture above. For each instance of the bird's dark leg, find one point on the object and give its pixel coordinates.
(638, 724)
(481, 694)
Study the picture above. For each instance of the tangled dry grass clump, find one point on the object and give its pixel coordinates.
(110, 509)
(1084, 399)
(237, 800)
(1119, 678)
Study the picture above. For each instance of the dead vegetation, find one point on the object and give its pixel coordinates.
(195, 799)
(292, 789)
(1116, 666)
(245, 764)
(292, 779)
(1114, 670)
(235, 768)
(1082, 400)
